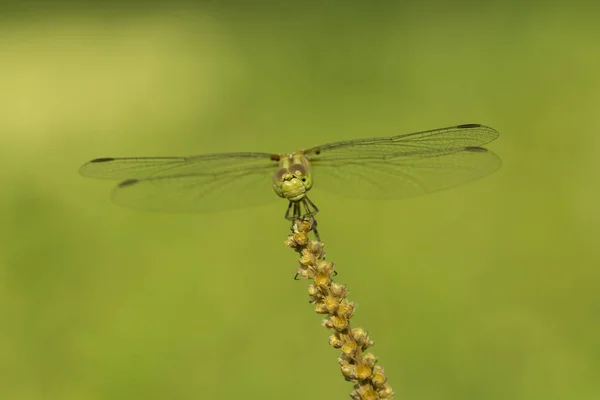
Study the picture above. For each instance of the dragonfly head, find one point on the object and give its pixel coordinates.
(293, 179)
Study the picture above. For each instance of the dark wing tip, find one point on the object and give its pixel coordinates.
(476, 149)
(128, 182)
(467, 126)
(103, 159)
(490, 133)
(89, 169)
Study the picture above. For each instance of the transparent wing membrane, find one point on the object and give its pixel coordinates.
(198, 192)
(150, 167)
(412, 145)
(400, 178)
(203, 183)
(377, 168)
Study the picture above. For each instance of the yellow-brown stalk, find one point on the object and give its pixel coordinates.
(330, 298)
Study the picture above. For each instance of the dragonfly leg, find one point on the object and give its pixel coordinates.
(289, 216)
(301, 209)
(315, 231)
(310, 209)
(293, 211)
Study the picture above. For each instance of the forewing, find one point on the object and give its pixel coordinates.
(149, 167)
(417, 145)
(401, 177)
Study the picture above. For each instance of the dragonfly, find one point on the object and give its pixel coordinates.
(393, 167)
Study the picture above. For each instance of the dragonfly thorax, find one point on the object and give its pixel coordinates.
(293, 177)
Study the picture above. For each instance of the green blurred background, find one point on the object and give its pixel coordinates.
(487, 291)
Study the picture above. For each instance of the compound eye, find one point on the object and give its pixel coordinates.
(278, 177)
(298, 170)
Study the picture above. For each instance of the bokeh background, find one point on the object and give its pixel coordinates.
(486, 291)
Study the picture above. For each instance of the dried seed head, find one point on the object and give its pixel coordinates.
(349, 348)
(301, 238)
(316, 248)
(339, 322)
(369, 395)
(331, 298)
(304, 273)
(327, 323)
(331, 304)
(320, 308)
(316, 298)
(303, 225)
(322, 279)
(325, 266)
(349, 371)
(336, 341)
(346, 309)
(363, 371)
(306, 259)
(289, 242)
(378, 379)
(360, 335)
(369, 359)
(338, 290)
(313, 290)
(386, 392)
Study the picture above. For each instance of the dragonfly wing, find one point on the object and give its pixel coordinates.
(401, 177)
(149, 167)
(198, 192)
(417, 145)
